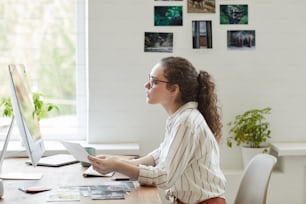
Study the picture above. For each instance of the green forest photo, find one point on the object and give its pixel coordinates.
(168, 15)
(233, 14)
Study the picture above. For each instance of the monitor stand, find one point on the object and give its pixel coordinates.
(14, 175)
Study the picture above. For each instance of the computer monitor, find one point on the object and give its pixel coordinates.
(23, 107)
(28, 125)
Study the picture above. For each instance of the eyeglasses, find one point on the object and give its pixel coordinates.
(153, 81)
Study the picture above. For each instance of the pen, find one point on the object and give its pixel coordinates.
(121, 179)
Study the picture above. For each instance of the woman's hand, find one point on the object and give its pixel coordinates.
(103, 164)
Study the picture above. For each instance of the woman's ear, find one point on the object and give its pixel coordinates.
(174, 89)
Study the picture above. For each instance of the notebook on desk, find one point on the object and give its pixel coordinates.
(91, 172)
(56, 160)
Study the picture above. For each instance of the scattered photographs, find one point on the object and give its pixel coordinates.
(241, 39)
(111, 190)
(64, 194)
(201, 34)
(158, 42)
(234, 14)
(168, 15)
(201, 6)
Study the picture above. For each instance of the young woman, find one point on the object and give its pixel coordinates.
(187, 162)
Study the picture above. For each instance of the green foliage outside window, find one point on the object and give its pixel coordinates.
(40, 107)
(41, 35)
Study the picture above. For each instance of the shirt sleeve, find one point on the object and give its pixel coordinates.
(152, 176)
(156, 155)
(148, 175)
(181, 152)
(179, 155)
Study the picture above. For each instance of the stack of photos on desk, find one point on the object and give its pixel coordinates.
(108, 191)
(112, 190)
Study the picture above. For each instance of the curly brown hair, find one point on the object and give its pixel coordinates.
(195, 86)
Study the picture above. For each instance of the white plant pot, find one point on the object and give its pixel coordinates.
(248, 153)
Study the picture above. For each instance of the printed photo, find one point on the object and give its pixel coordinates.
(168, 15)
(158, 42)
(201, 34)
(241, 39)
(233, 14)
(201, 6)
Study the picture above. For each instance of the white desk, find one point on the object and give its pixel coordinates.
(64, 176)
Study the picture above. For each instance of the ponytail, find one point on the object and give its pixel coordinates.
(207, 103)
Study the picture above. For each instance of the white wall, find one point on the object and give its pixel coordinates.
(271, 75)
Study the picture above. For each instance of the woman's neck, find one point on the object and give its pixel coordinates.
(172, 108)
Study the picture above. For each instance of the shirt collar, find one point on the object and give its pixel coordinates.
(188, 105)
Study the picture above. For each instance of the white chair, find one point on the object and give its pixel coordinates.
(255, 179)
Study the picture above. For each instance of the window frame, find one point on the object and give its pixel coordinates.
(79, 131)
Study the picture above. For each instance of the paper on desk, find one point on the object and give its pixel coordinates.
(76, 150)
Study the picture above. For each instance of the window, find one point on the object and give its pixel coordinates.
(48, 36)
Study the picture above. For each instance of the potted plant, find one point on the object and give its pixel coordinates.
(251, 131)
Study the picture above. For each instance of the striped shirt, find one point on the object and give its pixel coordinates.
(188, 160)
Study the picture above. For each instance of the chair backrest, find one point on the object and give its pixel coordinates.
(255, 179)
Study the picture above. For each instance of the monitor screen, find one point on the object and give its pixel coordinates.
(23, 108)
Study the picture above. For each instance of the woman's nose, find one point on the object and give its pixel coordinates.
(147, 85)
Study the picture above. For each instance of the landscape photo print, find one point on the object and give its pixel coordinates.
(241, 39)
(201, 6)
(168, 15)
(234, 14)
(158, 42)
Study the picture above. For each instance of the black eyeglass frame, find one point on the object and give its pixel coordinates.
(153, 80)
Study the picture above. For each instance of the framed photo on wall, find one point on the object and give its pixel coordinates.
(158, 42)
(201, 6)
(201, 34)
(241, 39)
(168, 15)
(234, 14)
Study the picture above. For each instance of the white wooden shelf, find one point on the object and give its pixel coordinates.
(283, 149)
